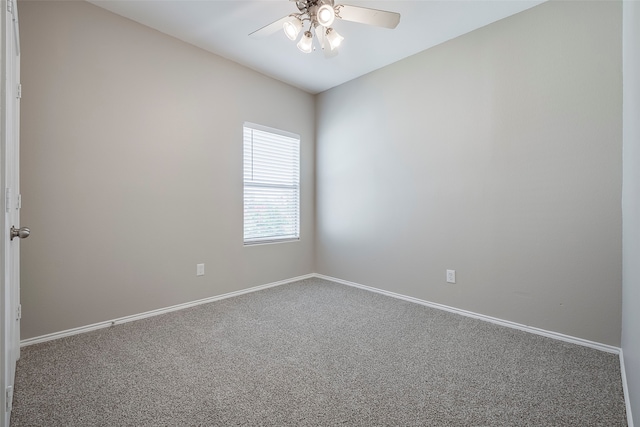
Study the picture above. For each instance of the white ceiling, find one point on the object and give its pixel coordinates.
(222, 27)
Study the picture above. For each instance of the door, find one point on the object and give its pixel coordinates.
(12, 234)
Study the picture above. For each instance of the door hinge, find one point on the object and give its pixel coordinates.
(10, 6)
(8, 398)
(19, 312)
(7, 199)
(19, 95)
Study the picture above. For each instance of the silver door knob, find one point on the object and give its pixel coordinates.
(22, 232)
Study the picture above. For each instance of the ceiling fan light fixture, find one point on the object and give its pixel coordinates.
(321, 14)
(325, 15)
(334, 38)
(306, 42)
(292, 28)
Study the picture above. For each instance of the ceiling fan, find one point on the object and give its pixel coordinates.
(319, 15)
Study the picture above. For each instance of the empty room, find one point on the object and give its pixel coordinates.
(281, 213)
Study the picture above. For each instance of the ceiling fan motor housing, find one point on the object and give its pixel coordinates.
(312, 7)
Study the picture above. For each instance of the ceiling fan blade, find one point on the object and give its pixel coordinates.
(320, 36)
(364, 15)
(267, 30)
(328, 53)
(324, 43)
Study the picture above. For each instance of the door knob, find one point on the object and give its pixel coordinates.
(22, 232)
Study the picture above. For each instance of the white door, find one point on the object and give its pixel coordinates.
(11, 235)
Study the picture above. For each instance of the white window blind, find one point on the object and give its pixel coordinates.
(271, 185)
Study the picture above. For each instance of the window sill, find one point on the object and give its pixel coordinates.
(271, 242)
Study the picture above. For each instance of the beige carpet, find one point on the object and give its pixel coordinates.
(315, 353)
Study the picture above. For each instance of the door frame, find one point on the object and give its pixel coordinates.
(3, 232)
(9, 164)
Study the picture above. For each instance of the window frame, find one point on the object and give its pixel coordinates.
(254, 239)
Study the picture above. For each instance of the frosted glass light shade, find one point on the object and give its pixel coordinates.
(334, 38)
(306, 42)
(292, 28)
(325, 15)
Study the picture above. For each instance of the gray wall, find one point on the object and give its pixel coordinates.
(631, 202)
(132, 169)
(497, 154)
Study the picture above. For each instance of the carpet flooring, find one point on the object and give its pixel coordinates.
(315, 353)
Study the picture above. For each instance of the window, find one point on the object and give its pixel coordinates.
(271, 185)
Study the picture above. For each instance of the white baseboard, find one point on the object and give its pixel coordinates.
(507, 323)
(157, 312)
(625, 387)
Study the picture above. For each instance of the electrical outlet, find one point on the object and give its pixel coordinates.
(451, 276)
(199, 269)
